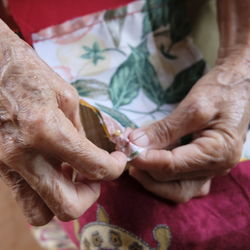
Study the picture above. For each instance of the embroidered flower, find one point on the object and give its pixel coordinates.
(115, 239)
(97, 239)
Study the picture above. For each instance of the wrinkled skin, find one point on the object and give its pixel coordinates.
(40, 131)
(216, 112)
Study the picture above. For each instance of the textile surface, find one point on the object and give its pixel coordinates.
(134, 76)
(32, 16)
(128, 217)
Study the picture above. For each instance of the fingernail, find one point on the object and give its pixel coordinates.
(140, 138)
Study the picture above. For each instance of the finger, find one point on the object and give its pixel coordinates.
(66, 199)
(177, 191)
(68, 102)
(204, 157)
(187, 118)
(33, 207)
(57, 137)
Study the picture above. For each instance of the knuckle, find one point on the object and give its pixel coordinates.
(232, 148)
(223, 150)
(199, 110)
(159, 132)
(235, 157)
(70, 95)
(168, 167)
(102, 172)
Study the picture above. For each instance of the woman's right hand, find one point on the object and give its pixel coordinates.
(40, 130)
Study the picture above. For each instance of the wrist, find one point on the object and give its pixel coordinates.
(233, 71)
(234, 27)
(239, 56)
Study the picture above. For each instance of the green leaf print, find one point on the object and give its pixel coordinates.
(118, 116)
(95, 53)
(161, 13)
(140, 52)
(183, 82)
(179, 24)
(135, 73)
(125, 83)
(151, 85)
(156, 15)
(115, 20)
(124, 86)
(91, 88)
(147, 76)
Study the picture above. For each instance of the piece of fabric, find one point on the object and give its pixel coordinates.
(134, 76)
(131, 218)
(32, 16)
(135, 66)
(127, 217)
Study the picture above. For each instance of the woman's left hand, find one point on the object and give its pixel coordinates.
(216, 112)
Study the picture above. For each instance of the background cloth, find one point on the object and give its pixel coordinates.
(34, 15)
(127, 217)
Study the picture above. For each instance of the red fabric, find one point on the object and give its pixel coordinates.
(219, 221)
(4, 15)
(33, 15)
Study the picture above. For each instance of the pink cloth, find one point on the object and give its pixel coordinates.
(220, 220)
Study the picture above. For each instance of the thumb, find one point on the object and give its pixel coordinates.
(186, 119)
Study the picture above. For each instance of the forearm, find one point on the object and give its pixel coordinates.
(8, 42)
(8, 37)
(12, 49)
(234, 26)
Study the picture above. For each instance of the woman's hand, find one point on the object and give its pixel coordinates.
(40, 130)
(216, 112)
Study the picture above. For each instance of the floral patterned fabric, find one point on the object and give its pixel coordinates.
(127, 217)
(135, 64)
(130, 63)
(125, 58)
